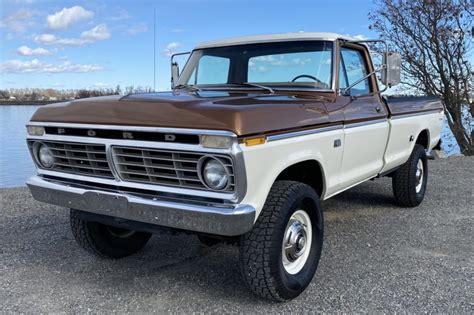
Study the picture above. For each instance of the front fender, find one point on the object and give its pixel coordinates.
(264, 163)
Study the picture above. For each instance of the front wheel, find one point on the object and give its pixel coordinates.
(280, 255)
(105, 240)
(410, 180)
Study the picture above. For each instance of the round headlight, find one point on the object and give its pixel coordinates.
(215, 174)
(45, 156)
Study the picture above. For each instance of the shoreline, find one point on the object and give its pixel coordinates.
(27, 103)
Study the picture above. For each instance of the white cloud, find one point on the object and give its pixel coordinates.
(67, 17)
(137, 29)
(171, 48)
(45, 39)
(177, 30)
(37, 66)
(27, 51)
(100, 32)
(50, 39)
(19, 21)
(72, 42)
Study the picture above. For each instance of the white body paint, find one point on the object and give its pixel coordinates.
(365, 151)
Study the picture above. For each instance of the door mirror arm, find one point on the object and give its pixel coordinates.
(175, 68)
(390, 69)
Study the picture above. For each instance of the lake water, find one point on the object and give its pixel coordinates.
(15, 162)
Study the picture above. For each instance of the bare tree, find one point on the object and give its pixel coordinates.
(434, 38)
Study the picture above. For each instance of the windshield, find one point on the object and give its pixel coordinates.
(283, 64)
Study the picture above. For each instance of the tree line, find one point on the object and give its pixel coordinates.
(37, 94)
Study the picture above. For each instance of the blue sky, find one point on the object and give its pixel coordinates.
(87, 44)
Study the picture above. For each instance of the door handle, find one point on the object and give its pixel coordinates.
(378, 109)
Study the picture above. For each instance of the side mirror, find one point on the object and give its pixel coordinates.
(175, 68)
(174, 74)
(391, 72)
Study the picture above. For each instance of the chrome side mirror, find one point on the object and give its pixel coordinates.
(174, 74)
(175, 68)
(390, 75)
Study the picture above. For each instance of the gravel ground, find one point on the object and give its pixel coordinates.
(377, 258)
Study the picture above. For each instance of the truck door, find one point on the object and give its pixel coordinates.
(366, 126)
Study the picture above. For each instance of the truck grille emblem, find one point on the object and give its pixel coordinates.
(127, 135)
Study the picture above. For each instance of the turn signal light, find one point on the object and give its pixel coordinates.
(35, 130)
(254, 141)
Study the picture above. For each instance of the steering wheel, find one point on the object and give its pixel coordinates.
(307, 76)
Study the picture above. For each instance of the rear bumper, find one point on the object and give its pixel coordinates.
(228, 221)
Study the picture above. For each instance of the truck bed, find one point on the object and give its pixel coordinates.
(405, 105)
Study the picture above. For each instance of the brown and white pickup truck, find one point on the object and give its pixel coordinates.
(255, 132)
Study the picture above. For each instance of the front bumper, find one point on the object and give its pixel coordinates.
(227, 221)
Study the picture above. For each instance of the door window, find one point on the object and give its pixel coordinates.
(354, 68)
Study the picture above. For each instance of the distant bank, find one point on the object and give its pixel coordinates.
(17, 102)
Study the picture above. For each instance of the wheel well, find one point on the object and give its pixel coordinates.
(308, 172)
(423, 139)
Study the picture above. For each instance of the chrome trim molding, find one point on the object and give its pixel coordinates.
(136, 128)
(428, 112)
(323, 129)
(365, 123)
(231, 221)
(302, 133)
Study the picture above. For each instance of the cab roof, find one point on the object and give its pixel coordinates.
(255, 39)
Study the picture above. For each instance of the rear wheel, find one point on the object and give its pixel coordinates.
(105, 240)
(280, 255)
(410, 180)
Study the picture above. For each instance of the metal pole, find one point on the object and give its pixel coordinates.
(154, 49)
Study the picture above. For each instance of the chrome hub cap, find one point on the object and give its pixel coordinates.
(297, 242)
(419, 176)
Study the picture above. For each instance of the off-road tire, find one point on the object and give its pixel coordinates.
(404, 180)
(98, 239)
(261, 248)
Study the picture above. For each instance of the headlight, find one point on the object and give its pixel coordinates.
(45, 156)
(214, 173)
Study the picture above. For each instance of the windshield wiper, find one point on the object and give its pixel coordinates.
(269, 89)
(186, 86)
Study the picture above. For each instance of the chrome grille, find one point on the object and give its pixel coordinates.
(78, 158)
(164, 167)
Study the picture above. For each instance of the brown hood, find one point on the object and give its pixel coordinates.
(242, 113)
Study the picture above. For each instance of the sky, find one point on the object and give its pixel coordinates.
(100, 44)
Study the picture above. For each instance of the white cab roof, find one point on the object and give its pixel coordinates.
(273, 38)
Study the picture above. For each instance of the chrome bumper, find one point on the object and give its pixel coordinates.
(228, 221)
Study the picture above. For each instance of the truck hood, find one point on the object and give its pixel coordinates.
(244, 113)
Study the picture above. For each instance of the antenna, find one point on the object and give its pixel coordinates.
(154, 49)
